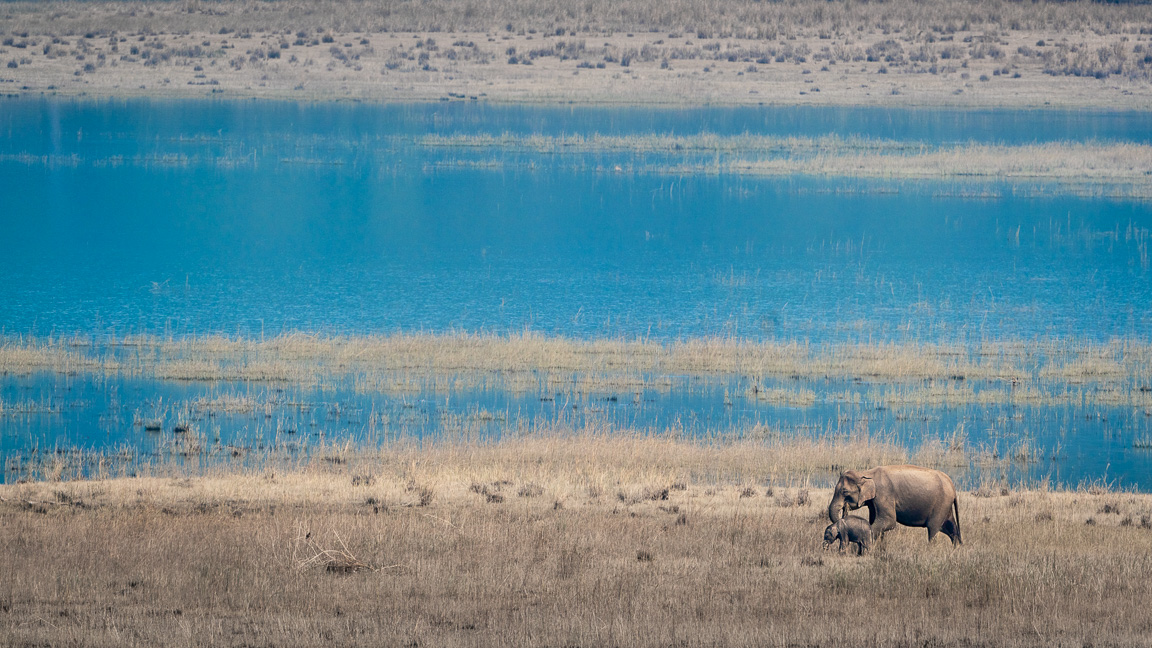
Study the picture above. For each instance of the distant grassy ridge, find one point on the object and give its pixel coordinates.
(738, 18)
(582, 540)
(1053, 372)
(990, 53)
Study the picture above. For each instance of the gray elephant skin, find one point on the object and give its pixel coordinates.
(849, 530)
(910, 495)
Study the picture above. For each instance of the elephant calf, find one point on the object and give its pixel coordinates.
(851, 529)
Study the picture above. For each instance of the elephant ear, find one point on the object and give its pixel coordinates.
(867, 489)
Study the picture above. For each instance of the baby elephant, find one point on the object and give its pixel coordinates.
(851, 529)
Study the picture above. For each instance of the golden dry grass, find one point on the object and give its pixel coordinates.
(1051, 372)
(557, 541)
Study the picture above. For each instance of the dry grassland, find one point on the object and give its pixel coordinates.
(558, 541)
(933, 52)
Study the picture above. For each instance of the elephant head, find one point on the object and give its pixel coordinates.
(853, 490)
(830, 535)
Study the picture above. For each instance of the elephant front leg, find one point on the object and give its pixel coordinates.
(880, 528)
(882, 520)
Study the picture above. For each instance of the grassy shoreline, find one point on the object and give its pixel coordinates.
(577, 540)
(981, 53)
(237, 403)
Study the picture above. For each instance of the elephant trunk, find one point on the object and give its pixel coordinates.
(836, 509)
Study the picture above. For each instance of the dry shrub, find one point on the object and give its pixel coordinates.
(801, 498)
(491, 492)
(635, 495)
(337, 559)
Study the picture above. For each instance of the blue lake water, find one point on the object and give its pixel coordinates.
(1069, 445)
(195, 217)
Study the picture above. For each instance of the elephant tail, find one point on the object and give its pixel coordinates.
(956, 511)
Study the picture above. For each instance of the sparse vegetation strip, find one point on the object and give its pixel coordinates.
(745, 143)
(831, 156)
(297, 356)
(1037, 373)
(1080, 168)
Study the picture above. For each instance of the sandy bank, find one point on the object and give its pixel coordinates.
(359, 52)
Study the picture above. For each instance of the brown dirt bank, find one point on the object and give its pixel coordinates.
(970, 54)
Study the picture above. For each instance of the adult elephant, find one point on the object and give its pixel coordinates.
(908, 495)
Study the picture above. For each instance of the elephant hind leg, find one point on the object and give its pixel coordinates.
(950, 530)
(935, 525)
(932, 531)
(948, 526)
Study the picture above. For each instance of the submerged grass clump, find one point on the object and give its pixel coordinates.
(855, 157)
(909, 375)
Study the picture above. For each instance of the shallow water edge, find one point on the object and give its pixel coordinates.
(1061, 411)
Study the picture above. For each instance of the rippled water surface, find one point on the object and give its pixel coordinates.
(250, 218)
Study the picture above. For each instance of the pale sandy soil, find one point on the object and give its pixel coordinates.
(474, 66)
